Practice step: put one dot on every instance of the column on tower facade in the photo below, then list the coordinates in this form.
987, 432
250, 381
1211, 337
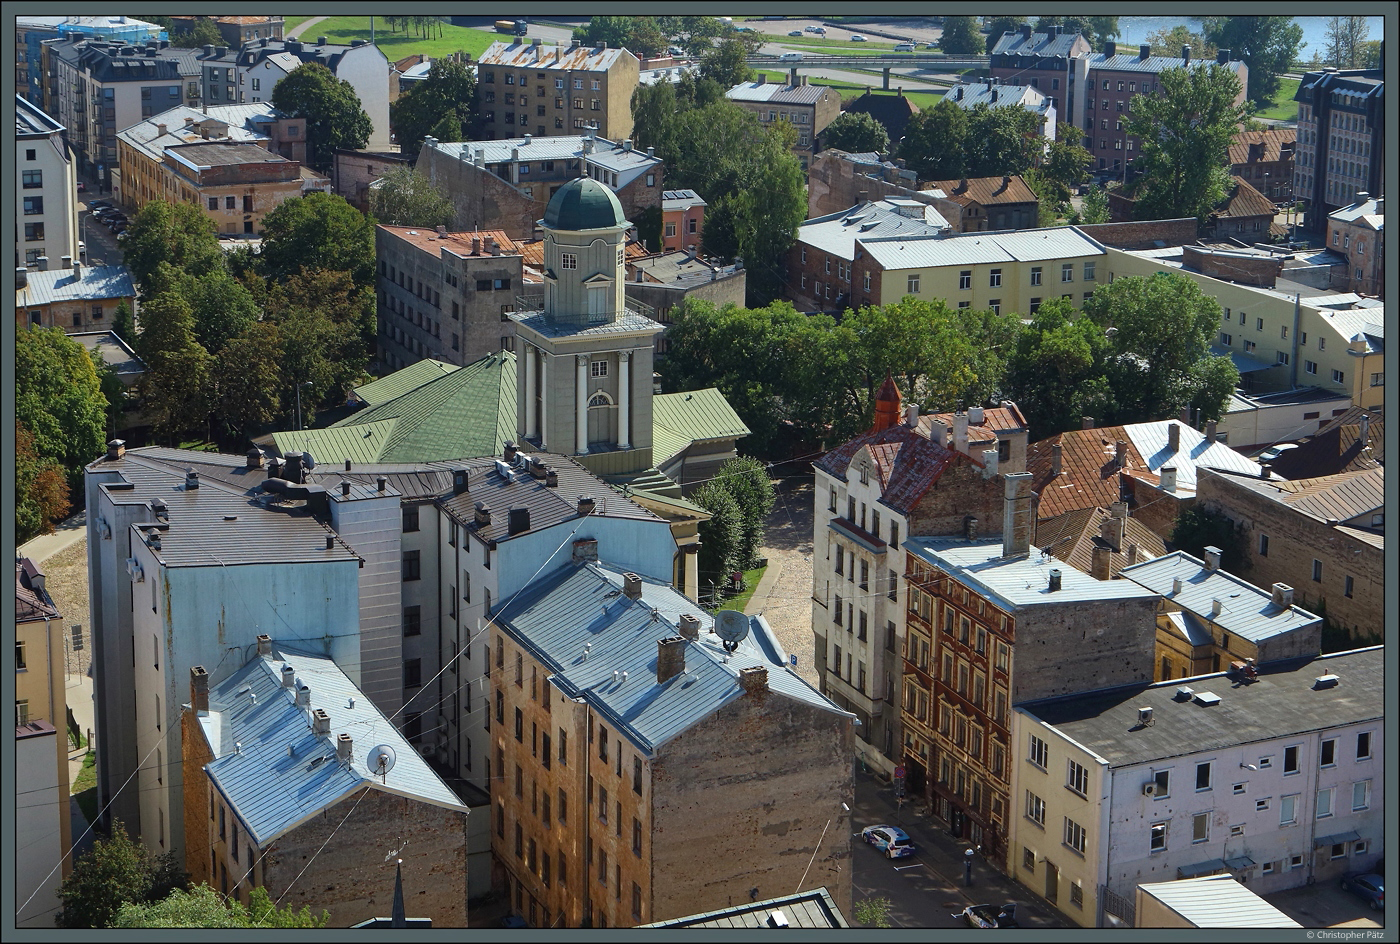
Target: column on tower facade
624, 399
581, 429
544, 398
527, 353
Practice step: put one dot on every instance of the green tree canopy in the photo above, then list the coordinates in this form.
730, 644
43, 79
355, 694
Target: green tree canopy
221, 306
1168, 42
203, 32
726, 61
722, 537
445, 101
333, 113
203, 907
1185, 135
747, 479
962, 36
857, 131
59, 399
1066, 161
318, 231
115, 872
1266, 44
694, 34
179, 234
1346, 41
176, 385
1056, 374
1095, 206
1197, 530
1159, 348
404, 197
41, 489
325, 328
933, 144
246, 380
1003, 140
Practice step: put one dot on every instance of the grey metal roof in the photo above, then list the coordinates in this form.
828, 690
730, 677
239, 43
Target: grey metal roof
680, 199
32, 121
247, 122
1060, 242
1282, 702
670, 74
582, 605
629, 322
217, 524
1218, 901
1018, 581
114, 352
1368, 323
62, 285
1152, 441
981, 94
1130, 62
1246, 611
837, 233
611, 155
1039, 44
253, 721
814, 909
775, 93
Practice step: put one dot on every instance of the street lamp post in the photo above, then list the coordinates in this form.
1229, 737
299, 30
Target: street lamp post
304, 383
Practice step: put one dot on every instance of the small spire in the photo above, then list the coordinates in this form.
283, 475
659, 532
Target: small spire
399, 919
886, 405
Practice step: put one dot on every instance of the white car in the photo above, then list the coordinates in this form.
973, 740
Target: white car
857, 38
1273, 452
790, 56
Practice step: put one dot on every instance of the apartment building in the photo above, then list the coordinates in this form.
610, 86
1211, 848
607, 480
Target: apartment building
1266, 160
149, 173
46, 185
618, 720
237, 30
76, 298
1358, 232
508, 184
809, 108
1341, 140
553, 91
30, 34
248, 73
1324, 537
97, 89
989, 203
281, 750
907, 475
991, 624
682, 219
1277, 783
1210, 621
443, 295
1055, 62
1282, 338
994, 94
822, 260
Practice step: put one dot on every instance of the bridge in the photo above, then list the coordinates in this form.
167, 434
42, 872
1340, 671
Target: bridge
929, 62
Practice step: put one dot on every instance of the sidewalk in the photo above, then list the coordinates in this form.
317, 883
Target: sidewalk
66, 534
876, 803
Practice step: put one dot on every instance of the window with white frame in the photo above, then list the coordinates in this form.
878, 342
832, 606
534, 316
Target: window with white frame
914, 284
1075, 836
1360, 795
1077, 778
1035, 809
1158, 837
1324, 802
1288, 810
1039, 752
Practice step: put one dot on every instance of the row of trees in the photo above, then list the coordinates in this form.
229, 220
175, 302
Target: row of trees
1139, 350
739, 498
647, 36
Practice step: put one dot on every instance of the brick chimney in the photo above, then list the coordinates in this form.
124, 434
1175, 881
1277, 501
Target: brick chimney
1111, 529
886, 405
1016, 515
1210, 431
754, 679
670, 658
632, 586
344, 745
960, 432
264, 644
585, 549
1056, 457
586, 505
116, 448
690, 627
1212, 558
1120, 453
255, 458
1102, 568
1168, 475
199, 689
1173, 436
989, 463
1086, 422
320, 722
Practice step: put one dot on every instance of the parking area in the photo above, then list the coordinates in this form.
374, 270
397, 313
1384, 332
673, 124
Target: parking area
1326, 905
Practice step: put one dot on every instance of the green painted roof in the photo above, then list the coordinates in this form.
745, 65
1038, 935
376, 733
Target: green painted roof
583, 203
679, 419
467, 412
402, 381
644, 495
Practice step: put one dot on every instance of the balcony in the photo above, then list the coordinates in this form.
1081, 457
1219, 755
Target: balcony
536, 303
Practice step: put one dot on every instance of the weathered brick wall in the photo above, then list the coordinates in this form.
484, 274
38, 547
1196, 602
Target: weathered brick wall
194, 754
1083, 646
352, 877
960, 491
740, 801
834, 184
1295, 541
1143, 234
1261, 271
354, 172
1156, 509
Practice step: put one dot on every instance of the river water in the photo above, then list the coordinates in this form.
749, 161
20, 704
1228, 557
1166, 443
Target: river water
1136, 29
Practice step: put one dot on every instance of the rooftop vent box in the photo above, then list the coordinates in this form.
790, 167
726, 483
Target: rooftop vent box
1207, 699
1326, 681
1184, 693
776, 919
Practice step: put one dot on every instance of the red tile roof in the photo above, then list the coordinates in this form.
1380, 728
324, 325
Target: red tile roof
988, 191
1072, 537
1089, 472
1273, 141
906, 463
1244, 200
425, 237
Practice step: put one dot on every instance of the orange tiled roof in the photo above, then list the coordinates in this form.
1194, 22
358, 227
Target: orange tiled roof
1273, 141
1073, 535
907, 463
425, 237
1245, 201
1089, 473
988, 191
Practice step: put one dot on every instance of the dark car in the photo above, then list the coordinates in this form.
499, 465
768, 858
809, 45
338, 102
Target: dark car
96, 205
514, 921
1367, 885
990, 916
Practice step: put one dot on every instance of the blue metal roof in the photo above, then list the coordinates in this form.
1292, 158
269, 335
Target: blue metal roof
580, 625
275, 772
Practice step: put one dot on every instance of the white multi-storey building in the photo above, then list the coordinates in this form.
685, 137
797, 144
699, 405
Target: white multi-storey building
47, 227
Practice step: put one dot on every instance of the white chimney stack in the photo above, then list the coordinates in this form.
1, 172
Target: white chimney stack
960, 432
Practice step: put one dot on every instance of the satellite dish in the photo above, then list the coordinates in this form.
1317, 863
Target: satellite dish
380, 760
308, 461
732, 627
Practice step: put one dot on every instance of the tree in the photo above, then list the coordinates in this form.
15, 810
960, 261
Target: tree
1160, 343
875, 912
59, 399
1185, 135
1266, 44
445, 102
857, 131
179, 234
221, 306
1095, 206
726, 61
1050, 205
404, 197
1065, 164
334, 116
1168, 42
124, 322
613, 30
247, 389
203, 32
933, 142
1369, 55
176, 385
1056, 373
1346, 39
1197, 529
1002, 140
997, 26
722, 537
1096, 29
41, 490
748, 480
203, 907
961, 36
325, 328
116, 871
695, 34
646, 39
317, 231
649, 223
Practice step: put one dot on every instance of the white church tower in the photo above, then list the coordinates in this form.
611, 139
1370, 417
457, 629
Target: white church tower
584, 368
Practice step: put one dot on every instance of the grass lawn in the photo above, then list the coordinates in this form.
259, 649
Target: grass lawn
1284, 107
848, 90
85, 787
741, 599
342, 29
290, 23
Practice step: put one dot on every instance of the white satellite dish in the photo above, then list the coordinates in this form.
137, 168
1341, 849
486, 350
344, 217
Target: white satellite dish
380, 760
732, 627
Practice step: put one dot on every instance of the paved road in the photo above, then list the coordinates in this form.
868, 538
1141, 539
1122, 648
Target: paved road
296, 31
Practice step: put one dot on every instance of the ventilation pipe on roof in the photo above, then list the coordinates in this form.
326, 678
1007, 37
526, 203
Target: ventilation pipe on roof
1054, 579
1365, 434
303, 698
289, 674
116, 448
1102, 566
382, 483
191, 480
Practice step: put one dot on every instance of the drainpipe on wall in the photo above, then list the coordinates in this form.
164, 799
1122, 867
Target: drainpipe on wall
1293, 361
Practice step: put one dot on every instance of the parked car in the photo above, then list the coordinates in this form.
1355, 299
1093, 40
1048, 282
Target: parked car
1366, 885
794, 32
891, 840
857, 38
819, 30
676, 51
1273, 452
790, 56
745, 29
119, 228
931, 46
989, 916
96, 205
904, 47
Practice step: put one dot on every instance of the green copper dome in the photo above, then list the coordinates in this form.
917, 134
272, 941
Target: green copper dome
584, 203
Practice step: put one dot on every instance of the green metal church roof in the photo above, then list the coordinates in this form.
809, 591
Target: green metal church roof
583, 203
